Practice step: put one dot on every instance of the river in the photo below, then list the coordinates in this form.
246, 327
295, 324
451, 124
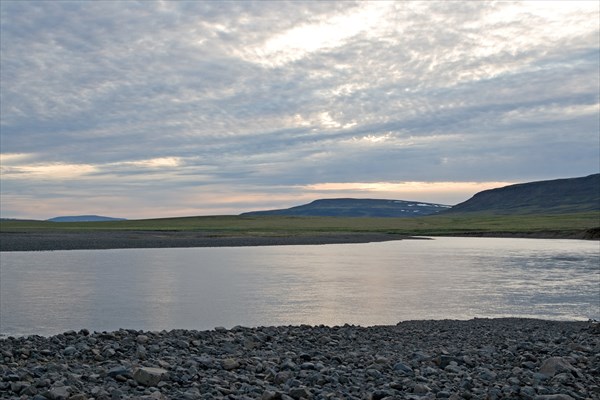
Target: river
364, 284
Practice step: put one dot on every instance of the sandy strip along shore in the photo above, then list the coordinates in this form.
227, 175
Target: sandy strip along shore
416, 360
35, 241
91, 240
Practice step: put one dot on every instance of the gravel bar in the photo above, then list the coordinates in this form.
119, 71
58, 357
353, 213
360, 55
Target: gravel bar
447, 359
78, 240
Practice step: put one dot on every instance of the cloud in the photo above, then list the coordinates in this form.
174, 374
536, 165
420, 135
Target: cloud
137, 98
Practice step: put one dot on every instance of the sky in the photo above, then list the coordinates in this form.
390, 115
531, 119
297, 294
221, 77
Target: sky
142, 109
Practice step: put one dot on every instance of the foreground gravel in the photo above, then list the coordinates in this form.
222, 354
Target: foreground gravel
476, 359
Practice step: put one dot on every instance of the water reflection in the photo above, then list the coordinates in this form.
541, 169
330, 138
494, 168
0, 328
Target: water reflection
366, 284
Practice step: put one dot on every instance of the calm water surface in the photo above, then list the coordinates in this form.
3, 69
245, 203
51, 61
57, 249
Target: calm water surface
366, 284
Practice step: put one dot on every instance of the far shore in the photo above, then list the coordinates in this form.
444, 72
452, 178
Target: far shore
97, 240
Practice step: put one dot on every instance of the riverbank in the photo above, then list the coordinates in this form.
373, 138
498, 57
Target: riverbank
232, 230
476, 359
96, 240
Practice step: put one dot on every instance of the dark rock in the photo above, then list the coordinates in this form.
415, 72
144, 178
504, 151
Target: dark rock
554, 397
403, 369
380, 394
120, 370
300, 393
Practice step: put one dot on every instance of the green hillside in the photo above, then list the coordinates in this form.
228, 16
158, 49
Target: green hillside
560, 196
555, 225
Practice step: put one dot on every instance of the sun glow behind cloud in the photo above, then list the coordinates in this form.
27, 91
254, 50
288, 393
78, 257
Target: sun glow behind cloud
160, 162
19, 166
302, 40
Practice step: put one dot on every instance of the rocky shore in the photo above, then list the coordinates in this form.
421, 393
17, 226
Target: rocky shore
476, 359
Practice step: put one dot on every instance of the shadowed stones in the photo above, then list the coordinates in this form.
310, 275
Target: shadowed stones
291, 363
554, 397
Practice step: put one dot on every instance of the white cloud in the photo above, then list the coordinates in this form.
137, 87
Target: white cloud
181, 95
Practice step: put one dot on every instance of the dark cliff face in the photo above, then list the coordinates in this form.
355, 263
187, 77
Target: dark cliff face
358, 208
543, 197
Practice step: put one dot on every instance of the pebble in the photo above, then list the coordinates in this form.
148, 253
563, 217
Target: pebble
505, 358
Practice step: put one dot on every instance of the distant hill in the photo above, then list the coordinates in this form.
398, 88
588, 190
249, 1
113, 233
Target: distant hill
358, 208
544, 197
84, 218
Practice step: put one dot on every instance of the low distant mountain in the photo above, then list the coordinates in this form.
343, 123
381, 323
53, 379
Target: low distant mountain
84, 218
559, 196
357, 208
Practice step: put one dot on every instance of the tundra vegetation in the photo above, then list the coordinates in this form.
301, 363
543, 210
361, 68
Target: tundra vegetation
550, 225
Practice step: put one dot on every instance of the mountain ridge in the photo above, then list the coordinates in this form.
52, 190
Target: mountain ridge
556, 196
357, 207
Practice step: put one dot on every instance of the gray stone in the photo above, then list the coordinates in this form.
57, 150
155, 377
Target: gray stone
420, 388
59, 393
307, 365
16, 387
191, 394
230, 363
120, 370
403, 369
149, 376
142, 339
282, 377
270, 395
554, 365
69, 351
380, 394
527, 392
487, 375
374, 373
453, 369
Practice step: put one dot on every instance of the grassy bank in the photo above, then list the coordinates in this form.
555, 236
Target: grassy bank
439, 225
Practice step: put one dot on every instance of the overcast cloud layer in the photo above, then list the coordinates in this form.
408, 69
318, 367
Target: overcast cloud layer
148, 109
